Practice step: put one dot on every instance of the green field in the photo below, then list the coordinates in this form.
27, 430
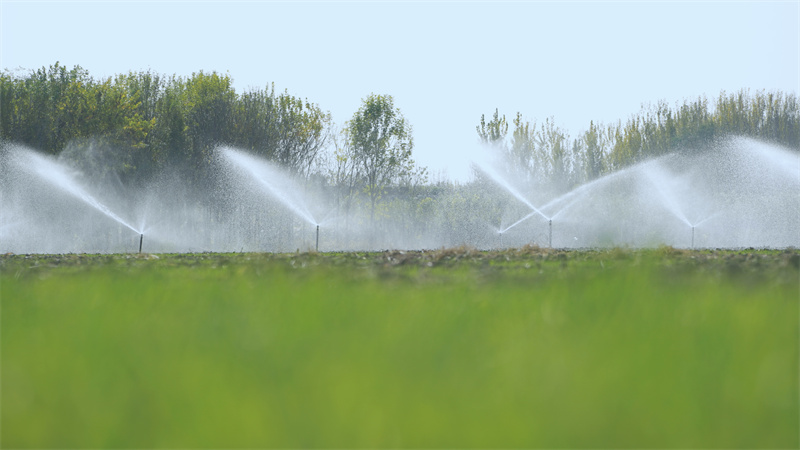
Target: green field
451, 348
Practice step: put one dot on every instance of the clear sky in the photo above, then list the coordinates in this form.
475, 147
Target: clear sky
445, 63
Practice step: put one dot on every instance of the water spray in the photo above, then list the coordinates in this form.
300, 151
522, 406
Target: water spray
141, 237
317, 246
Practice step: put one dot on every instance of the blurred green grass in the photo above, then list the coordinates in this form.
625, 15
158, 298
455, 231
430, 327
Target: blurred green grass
617, 349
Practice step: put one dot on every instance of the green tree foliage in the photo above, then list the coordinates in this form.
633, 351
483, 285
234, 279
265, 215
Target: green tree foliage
553, 144
594, 146
210, 102
545, 155
380, 144
37, 109
525, 162
494, 132
136, 124
282, 128
171, 138
302, 131
132, 127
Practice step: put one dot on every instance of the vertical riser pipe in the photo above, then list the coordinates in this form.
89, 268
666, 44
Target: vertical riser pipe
141, 238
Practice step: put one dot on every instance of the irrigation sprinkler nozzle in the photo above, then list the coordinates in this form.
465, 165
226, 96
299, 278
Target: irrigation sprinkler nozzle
692, 238
317, 246
550, 225
141, 237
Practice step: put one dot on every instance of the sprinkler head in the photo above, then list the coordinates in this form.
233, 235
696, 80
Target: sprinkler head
141, 237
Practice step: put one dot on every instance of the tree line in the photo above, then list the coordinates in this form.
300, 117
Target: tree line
545, 153
139, 123
133, 127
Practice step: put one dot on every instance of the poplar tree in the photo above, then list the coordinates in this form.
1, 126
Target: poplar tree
380, 143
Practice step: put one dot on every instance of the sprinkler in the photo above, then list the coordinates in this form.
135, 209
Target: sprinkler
141, 237
317, 247
550, 224
692, 238
501, 239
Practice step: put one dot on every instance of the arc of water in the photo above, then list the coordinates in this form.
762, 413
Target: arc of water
576, 194
779, 158
658, 182
504, 184
57, 176
706, 219
566, 207
573, 195
262, 173
329, 217
298, 209
531, 214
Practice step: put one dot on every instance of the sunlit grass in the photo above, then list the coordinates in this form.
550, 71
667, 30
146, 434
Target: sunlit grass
625, 349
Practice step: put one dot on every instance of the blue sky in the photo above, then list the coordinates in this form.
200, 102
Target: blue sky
445, 63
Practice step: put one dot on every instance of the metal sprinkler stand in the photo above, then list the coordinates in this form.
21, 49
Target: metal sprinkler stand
550, 225
317, 246
141, 237
692, 238
501, 240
